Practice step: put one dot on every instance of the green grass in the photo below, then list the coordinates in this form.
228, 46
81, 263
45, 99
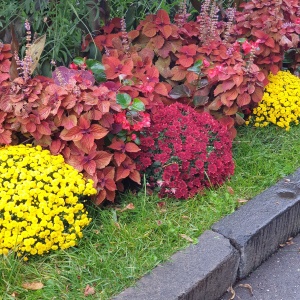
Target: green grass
121, 246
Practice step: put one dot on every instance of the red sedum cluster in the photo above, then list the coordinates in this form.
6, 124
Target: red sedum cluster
184, 151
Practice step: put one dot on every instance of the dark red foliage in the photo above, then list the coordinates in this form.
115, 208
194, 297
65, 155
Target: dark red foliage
184, 151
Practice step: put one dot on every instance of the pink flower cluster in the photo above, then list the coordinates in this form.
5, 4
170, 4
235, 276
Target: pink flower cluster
184, 151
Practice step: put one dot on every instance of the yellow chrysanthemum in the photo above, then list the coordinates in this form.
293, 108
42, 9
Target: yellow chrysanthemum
281, 102
36, 214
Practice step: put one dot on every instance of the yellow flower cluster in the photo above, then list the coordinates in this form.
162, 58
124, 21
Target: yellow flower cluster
281, 102
40, 201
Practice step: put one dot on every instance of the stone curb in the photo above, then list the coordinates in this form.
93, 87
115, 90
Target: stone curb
234, 247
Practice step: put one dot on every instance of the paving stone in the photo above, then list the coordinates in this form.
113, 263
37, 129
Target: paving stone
257, 228
200, 272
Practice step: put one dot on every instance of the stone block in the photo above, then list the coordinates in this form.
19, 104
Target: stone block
257, 228
200, 272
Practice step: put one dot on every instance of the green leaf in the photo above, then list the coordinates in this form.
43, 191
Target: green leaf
241, 40
196, 67
78, 61
138, 105
124, 100
137, 141
97, 68
94, 52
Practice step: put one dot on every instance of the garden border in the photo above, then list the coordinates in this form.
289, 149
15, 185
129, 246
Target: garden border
231, 250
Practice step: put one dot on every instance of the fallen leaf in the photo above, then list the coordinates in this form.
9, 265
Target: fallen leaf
14, 294
185, 217
231, 290
161, 204
186, 237
247, 286
230, 190
242, 200
287, 180
117, 225
287, 243
129, 206
158, 222
89, 290
34, 286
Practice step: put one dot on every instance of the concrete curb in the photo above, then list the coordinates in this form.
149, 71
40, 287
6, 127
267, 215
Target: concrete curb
234, 247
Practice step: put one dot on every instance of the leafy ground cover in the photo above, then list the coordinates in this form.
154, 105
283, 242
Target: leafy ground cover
125, 241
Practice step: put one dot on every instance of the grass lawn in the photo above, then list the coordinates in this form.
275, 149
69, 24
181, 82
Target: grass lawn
120, 245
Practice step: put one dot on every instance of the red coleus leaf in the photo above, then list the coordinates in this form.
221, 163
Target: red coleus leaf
218, 90
215, 104
229, 111
274, 69
157, 41
83, 129
69, 121
86, 142
228, 97
260, 76
133, 34
119, 158
102, 159
117, 145
110, 185
178, 73
135, 176
90, 167
74, 134
98, 131
237, 79
166, 30
101, 196
122, 173
169, 46
131, 147
150, 29
3, 76
114, 67
185, 61
56, 146
258, 94
44, 111
228, 85
162, 88
243, 99
5, 66
264, 38
5, 137
44, 128
162, 18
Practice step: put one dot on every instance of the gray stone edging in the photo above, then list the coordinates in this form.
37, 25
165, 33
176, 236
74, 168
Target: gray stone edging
236, 245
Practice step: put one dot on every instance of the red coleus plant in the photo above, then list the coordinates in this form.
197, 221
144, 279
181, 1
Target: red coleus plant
76, 118
184, 151
274, 24
239, 56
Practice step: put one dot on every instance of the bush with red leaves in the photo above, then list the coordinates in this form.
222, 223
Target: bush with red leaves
184, 151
